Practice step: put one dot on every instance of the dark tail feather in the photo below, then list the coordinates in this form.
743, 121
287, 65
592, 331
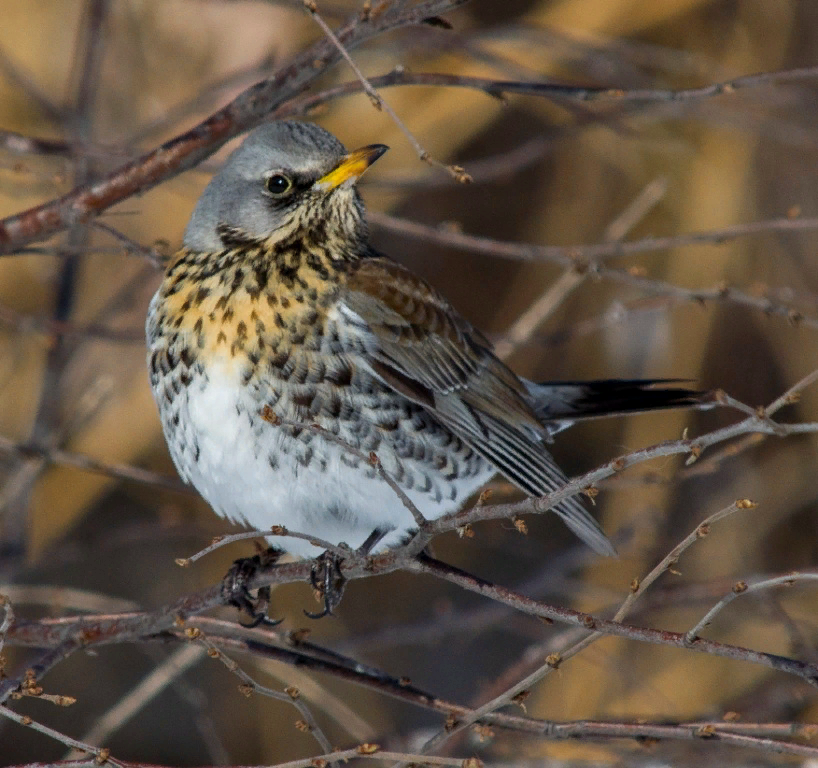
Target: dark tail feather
563, 402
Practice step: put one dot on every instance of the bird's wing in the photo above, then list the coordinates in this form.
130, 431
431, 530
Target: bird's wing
419, 345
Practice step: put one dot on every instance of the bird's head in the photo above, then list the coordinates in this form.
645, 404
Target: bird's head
287, 178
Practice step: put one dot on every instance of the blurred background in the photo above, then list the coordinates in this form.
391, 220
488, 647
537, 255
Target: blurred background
109, 79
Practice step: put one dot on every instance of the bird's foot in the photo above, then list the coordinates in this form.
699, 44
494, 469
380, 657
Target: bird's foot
328, 582
326, 577
235, 591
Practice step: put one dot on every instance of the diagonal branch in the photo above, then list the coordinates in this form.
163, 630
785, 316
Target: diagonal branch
186, 151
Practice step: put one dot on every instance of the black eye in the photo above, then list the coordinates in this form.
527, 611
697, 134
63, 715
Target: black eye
278, 185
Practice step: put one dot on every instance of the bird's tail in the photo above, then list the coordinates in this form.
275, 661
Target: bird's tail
558, 404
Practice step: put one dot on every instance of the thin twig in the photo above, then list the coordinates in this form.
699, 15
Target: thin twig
571, 256
8, 619
378, 101
102, 755
527, 323
553, 661
743, 588
275, 530
186, 151
151, 686
249, 685
90, 464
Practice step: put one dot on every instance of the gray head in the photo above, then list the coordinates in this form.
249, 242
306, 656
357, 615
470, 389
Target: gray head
283, 176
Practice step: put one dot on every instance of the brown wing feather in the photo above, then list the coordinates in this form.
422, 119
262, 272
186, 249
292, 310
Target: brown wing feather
423, 337
426, 351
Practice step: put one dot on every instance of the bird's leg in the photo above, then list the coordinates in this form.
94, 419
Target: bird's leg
328, 581
235, 591
326, 577
372, 541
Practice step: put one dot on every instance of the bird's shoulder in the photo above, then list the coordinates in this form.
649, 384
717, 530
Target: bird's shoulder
418, 335
400, 305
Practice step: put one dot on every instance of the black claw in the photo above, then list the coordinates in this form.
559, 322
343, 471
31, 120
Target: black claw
235, 591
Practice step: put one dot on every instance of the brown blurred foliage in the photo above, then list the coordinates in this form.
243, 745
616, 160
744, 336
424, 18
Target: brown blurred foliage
163, 64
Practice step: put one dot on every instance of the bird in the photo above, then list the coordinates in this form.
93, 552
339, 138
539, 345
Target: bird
284, 350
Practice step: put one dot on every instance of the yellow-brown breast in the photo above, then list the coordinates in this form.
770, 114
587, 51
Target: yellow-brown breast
247, 306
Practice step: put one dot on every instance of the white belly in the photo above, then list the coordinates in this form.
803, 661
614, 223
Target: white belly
256, 474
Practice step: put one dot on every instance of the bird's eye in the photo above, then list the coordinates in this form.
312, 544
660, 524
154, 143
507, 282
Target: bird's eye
278, 185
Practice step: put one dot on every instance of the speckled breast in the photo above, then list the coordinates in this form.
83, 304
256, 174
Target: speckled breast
224, 344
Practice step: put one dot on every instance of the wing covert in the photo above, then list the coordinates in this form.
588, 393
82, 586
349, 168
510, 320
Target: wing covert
425, 350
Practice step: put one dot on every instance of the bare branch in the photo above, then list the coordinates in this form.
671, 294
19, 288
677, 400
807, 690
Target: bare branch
247, 110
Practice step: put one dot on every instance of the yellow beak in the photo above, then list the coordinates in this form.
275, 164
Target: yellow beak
351, 167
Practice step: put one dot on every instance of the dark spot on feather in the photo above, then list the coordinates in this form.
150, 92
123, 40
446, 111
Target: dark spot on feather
390, 425
332, 407
341, 376
304, 399
288, 273
261, 276
318, 233
314, 262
